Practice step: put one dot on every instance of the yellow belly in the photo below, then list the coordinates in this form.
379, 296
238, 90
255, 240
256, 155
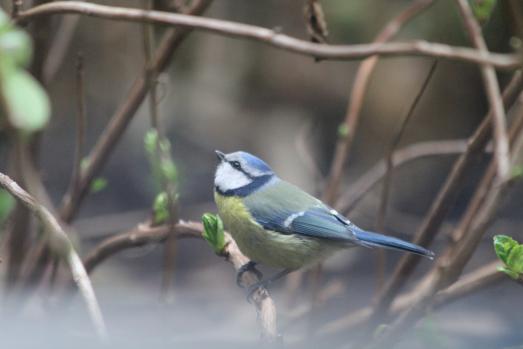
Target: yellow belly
289, 251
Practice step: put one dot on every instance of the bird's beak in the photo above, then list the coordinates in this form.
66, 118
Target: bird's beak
220, 155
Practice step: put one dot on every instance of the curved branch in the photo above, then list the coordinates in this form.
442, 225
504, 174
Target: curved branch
474, 281
61, 244
357, 96
144, 234
350, 198
274, 38
490, 81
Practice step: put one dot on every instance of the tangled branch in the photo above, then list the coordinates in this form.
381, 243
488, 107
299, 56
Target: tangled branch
274, 38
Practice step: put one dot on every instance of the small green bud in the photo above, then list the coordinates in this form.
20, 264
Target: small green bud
213, 232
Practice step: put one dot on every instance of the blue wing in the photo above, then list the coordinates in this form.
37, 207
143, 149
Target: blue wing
288, 210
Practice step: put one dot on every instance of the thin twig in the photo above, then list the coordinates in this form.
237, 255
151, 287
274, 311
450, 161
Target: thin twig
74, 185
385, 192
59, 46
490, 80
61, 244
357, 95
274, 38
16, 7
441, 205
452, 262
146, 234
471, 282
366, 182
98, 156
393, 146
161, 156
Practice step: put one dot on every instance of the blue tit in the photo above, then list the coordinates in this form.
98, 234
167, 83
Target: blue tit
277, 224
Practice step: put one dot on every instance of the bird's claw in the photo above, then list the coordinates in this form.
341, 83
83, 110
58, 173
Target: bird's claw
251, 290
249, 266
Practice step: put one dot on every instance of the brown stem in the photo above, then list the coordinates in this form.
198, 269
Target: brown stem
61, 245
490, 81
441, 205
454, 259
123, 115
357, 95
274, 38
145, 234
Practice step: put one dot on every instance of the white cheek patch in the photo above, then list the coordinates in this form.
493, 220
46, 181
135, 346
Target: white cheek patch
228, 178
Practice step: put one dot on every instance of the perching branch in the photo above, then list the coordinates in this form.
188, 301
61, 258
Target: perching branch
61, 244
145, 234
274, 38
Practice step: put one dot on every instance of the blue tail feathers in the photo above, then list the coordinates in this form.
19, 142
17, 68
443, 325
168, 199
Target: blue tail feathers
369, 239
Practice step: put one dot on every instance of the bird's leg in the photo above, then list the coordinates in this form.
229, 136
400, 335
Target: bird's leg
249, 266
265, 283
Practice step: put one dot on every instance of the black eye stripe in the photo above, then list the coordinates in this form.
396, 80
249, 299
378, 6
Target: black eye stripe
236, 164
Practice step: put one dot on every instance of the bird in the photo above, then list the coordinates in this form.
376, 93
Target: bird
277, 224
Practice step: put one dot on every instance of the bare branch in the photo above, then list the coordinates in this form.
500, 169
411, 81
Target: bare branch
490, 81
441, 205
473, 281
351, 197
145, 234
273, 38
452, 262
357, 95
123, 115
61, 244
142, 235
74, 185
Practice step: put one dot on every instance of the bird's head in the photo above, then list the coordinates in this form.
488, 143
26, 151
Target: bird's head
240, 173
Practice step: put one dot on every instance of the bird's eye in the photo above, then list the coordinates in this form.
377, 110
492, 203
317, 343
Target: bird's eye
236, 164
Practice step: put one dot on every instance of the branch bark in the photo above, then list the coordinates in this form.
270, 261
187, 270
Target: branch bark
441, 205
274, 38
145, 234
490, 80
452, 262
61, 245
123, 115
473, 281
357, 96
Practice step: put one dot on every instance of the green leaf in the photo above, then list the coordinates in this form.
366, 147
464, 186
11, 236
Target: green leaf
503, 244
161, 208
343, 130
483, 9
7, 203
515, 259
517, 172
213, 232
16, 45
150, 141
509, 272
98, 185
26, 102
159, 153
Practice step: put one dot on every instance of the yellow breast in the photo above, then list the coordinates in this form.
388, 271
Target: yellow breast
267, 247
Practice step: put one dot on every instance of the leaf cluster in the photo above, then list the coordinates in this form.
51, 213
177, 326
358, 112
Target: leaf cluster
510, 252
213, 232
25, 104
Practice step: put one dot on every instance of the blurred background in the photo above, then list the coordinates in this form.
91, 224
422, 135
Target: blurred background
229, 94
